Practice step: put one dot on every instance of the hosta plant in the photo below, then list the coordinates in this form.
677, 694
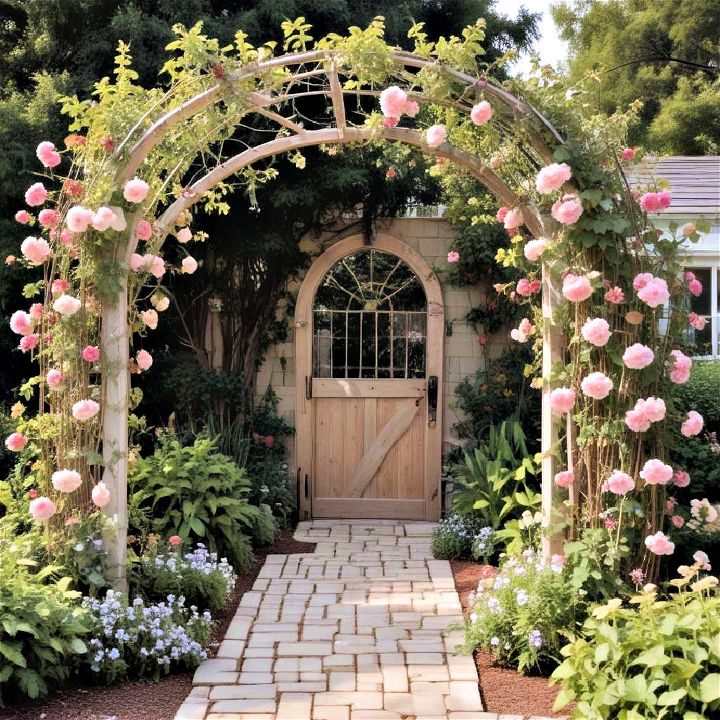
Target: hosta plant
656, 658
42, 630
199, 494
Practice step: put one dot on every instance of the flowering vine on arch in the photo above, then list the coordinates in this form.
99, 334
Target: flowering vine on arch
139, 159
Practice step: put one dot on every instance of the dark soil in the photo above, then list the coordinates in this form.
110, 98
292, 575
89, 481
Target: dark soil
504, 690
144, 701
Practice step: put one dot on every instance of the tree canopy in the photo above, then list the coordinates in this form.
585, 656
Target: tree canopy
664, 52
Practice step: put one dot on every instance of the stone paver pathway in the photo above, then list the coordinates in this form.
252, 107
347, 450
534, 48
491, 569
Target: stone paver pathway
357, 630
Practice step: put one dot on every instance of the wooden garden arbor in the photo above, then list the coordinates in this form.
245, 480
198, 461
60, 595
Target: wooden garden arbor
314, 73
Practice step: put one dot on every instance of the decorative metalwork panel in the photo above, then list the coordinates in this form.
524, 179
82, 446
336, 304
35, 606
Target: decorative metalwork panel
370, 318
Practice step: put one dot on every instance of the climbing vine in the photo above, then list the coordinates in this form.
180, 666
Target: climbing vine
137, 160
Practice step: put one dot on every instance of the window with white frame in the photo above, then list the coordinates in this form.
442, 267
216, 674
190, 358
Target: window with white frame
706, 305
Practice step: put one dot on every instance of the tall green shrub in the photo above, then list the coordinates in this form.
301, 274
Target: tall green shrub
199, 494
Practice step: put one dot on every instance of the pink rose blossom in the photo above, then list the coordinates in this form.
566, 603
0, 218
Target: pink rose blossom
84, 410
577, 288
525, 329
481, 112
175, 540
619, 483
29, 342
681, 479
135, 190
157, 266
682, 364
388, 122
654, 292
501, 214
656, 472
54, 379
641, 280
66, 237
664, 199
184, 235
453, 256
688, 229
653, 408
21, 322
565, 478
47, 154
637, 356
144, 360
637, 421
78, 218
143, 230
150, 318
66, 481
527, 287
677, 520
596, 385
513, 219
568, 210
393, 101
160, 303
15, 442
67, 305
91, 353
35, 250
36, 311
137, 263
655, 201
411, 108
562, 400
659, 544
102, 219
628, 154
436, 135
534, 249
696, 321
36, 194
23, 217
614, 295
189, 264
59, 286
596, 331
693, 425
100, 495
42, 508
695, 287
552, 177
48, 218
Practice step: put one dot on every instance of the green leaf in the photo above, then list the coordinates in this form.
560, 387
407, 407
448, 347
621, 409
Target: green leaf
197, 526
672, 697
654, 657
709, 688
12, 654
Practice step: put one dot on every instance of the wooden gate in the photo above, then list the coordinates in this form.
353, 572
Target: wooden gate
369, 348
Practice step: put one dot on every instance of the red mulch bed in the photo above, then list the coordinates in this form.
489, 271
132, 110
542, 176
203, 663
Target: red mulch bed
504, 690
144, 701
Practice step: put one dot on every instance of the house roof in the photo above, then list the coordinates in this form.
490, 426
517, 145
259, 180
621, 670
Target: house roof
694, 183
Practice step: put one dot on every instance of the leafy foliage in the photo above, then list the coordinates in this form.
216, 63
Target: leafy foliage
519, 613
204, 581
42, 629
660, 51
701, 392
657, 658
199, 494
495, 483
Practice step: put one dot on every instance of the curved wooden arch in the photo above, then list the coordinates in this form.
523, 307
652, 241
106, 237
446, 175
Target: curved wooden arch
115, 333
304, 411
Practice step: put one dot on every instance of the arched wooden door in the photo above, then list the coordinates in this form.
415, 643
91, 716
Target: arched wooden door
369, 357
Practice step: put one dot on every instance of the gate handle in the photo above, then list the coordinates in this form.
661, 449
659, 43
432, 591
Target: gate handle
432, 395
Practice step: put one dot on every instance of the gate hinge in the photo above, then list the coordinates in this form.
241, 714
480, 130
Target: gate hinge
308, 387
307, 486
